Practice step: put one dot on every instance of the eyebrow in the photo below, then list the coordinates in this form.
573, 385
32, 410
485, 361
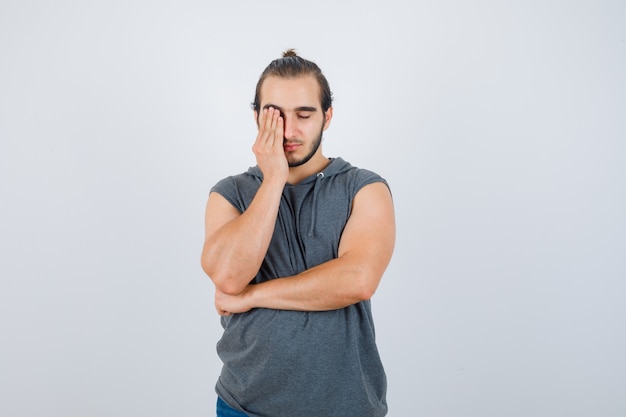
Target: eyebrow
301, 108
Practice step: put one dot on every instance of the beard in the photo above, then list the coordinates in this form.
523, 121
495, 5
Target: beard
314, 147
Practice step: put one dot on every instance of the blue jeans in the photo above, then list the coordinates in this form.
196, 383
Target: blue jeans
225, 410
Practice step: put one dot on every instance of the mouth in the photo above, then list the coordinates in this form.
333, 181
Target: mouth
288, 147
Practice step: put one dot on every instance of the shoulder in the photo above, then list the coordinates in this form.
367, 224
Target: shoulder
242, 180
362, 174
238, 189
358, 178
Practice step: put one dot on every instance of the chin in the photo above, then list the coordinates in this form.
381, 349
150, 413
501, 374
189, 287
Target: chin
296, 162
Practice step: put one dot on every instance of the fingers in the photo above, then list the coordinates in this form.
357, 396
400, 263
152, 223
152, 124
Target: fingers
268, 147
279, 135
270, 127
218, 307
270, 122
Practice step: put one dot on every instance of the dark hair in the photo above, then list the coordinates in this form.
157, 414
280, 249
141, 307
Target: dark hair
291, 65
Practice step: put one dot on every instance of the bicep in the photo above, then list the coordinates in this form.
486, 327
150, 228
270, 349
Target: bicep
369, 235
219, 212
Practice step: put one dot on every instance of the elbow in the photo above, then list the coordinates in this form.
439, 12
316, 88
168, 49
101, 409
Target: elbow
366, 293
367, 283
228, 277
228, 286
207, 267
223, 281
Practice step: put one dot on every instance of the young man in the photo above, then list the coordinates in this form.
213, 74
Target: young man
296, 247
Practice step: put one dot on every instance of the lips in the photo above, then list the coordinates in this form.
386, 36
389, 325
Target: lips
288, 147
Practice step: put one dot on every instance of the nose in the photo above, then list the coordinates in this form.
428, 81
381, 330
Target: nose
290, 128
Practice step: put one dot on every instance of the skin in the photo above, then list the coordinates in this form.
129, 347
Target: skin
289, 130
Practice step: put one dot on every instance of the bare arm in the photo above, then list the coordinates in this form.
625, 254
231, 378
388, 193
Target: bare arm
364, 252
236, 243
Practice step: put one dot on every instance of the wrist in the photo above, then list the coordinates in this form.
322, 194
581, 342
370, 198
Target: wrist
249, 296
275, 180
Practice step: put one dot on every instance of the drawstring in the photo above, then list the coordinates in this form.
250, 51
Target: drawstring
318, 178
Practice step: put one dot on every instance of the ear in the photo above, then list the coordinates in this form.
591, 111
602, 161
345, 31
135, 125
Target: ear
256, 117
327, 117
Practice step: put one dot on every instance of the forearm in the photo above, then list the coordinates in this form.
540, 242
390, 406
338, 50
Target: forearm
335, 284
233, 254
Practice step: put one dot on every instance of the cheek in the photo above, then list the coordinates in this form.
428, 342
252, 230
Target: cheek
315, 125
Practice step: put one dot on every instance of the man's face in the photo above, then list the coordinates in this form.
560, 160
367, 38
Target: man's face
298, 100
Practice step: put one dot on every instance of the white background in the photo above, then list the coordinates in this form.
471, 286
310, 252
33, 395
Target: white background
499, 125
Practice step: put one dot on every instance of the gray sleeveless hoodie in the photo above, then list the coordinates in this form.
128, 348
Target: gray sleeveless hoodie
280, 363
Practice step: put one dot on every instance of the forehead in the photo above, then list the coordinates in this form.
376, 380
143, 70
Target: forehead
290, 93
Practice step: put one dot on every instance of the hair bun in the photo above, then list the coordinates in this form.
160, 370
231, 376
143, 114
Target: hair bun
289, 52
